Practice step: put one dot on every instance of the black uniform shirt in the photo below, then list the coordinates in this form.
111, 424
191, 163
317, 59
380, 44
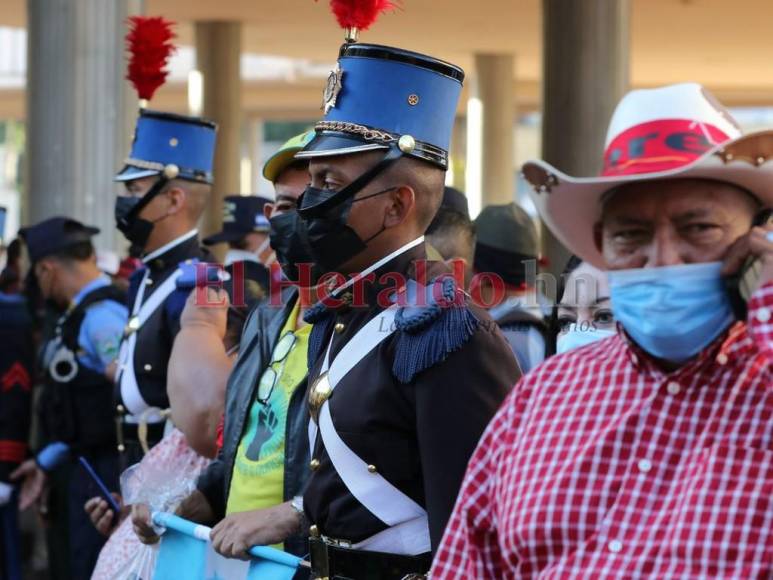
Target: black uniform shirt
156, 336
419, 435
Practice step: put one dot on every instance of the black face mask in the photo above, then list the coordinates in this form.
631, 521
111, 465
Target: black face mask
128, 220
134, 228
289, 240
332, 241
326, 212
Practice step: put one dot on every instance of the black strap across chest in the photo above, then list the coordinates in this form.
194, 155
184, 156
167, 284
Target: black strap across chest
70, 323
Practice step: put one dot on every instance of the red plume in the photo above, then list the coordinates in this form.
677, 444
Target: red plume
149, 42
359, 14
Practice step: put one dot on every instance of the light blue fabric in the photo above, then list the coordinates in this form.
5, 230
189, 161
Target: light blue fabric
183, 554
102, 328
576, 337
672, 312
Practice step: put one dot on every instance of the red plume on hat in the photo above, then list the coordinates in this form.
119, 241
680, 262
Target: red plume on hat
356, 15
149, 42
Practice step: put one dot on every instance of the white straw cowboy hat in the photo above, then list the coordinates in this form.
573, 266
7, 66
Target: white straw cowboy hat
677, 131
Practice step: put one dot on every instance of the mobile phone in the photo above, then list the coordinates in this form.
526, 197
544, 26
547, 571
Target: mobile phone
740, 286
103, 491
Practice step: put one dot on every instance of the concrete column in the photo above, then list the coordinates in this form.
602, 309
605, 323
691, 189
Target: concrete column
76, 135
218, 48
254, 130
585, 73
458, 153
493, 85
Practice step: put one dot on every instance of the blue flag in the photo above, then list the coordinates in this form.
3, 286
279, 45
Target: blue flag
185, 552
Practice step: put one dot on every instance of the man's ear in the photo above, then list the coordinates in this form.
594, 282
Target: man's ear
177, 200
402, 203
268, 209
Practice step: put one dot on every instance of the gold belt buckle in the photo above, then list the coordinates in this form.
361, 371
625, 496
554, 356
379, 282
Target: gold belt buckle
319, 393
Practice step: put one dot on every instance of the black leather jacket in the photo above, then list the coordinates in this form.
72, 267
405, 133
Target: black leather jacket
261, 331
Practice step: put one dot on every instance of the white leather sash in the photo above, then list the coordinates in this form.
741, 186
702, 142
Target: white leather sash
127, 379
408, 531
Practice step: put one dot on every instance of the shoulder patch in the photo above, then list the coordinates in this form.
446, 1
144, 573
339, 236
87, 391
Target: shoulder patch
434, 321
188, 270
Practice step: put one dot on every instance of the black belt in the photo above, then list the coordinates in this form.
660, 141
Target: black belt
332, 562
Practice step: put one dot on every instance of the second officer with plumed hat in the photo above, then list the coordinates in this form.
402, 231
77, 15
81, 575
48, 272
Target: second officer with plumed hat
405, 374
168, 180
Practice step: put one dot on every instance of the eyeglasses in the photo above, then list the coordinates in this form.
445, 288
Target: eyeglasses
270, 375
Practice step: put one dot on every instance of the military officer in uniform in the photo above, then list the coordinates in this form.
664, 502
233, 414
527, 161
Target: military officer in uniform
404, 372
77, 398
245, 229
168, 179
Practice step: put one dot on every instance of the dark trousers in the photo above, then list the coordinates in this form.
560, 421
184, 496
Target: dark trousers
10, 553
56, 523
85, 541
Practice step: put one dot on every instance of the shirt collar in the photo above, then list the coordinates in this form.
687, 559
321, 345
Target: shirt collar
731, 343
98, 282
234, 255
166, 247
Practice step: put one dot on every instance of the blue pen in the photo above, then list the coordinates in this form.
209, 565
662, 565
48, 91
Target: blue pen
101, 484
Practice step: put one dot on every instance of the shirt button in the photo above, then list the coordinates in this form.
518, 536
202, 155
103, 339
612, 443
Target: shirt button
673, 388
615, 546
148, 282
148, 368
644, 465
722, 358
763, 314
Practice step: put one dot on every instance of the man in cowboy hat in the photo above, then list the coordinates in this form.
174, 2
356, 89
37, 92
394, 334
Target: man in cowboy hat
646, 454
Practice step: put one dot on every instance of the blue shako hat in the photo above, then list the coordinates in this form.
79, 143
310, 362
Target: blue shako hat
164, 141
380, 97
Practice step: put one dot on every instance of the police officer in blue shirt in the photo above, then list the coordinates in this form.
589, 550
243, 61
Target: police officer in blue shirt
168, 181
78, 365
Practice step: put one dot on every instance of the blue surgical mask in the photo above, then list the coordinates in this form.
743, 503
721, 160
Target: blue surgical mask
672, 312
576, 337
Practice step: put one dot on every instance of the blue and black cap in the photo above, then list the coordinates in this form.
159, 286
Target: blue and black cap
380, 97
242, 214
179, 146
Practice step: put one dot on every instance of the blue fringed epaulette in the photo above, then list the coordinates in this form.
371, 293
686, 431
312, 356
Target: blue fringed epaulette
186, 282
435, 322
321, 320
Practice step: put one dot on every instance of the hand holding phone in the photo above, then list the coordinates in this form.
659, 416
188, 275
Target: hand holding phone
103, 491
741, 285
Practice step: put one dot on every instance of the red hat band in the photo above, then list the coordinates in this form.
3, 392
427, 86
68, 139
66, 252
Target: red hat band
661, 145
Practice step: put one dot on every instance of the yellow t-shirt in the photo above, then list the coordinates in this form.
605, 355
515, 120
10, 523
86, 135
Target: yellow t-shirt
258, 475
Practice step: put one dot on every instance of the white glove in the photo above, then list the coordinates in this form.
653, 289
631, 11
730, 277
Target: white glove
5, 493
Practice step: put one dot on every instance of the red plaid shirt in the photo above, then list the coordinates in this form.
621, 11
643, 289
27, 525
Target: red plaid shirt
599, 465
